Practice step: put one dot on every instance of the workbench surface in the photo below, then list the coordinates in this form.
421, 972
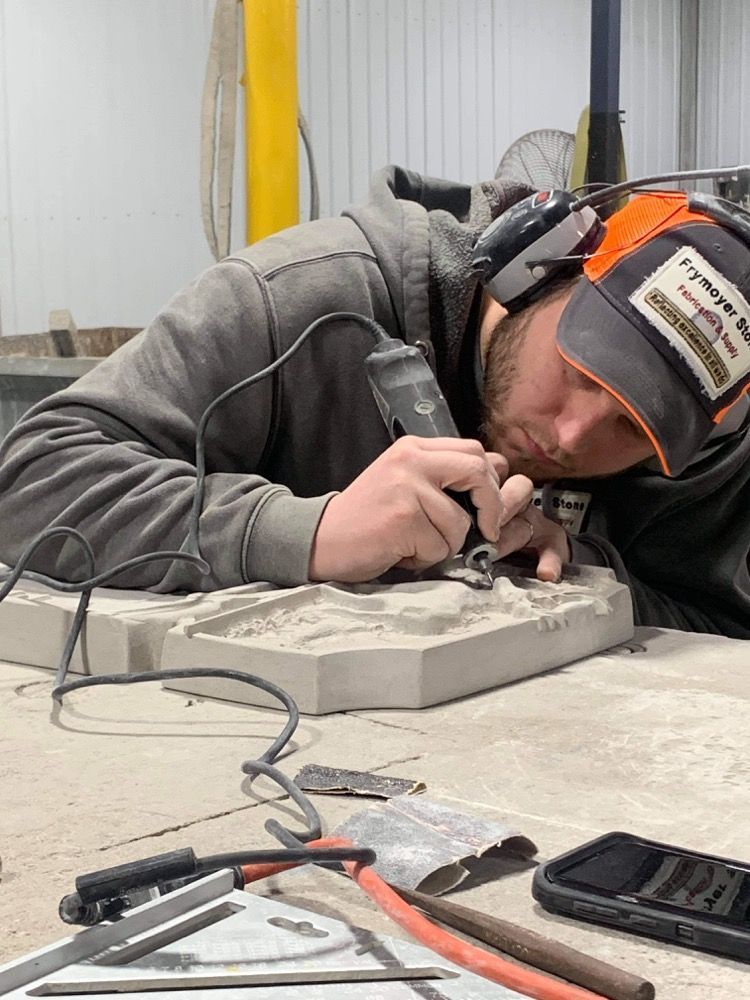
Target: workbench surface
650, 739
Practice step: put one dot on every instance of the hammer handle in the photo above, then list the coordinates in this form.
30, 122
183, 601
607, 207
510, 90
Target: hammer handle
535, 949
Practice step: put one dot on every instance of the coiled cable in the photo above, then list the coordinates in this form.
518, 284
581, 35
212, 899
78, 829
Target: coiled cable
190, 553
191, 549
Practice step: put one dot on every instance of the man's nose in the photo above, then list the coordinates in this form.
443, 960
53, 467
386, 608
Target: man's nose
584, 419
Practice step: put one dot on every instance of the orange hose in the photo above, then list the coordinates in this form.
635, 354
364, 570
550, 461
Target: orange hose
468, 956
252, 873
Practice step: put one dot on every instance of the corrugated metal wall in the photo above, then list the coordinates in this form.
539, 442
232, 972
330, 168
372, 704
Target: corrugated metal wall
442, 86
100, 104
99, 121
445, 86
650, 84
724, 82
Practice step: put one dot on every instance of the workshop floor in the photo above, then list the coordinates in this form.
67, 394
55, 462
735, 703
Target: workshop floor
652, 741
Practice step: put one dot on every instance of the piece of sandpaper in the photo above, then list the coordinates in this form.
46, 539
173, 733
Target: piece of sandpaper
421, 842
336, 781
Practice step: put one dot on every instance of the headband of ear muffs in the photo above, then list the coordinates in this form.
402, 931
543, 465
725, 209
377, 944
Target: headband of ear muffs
548, 235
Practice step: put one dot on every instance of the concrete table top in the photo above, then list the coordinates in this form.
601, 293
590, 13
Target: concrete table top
651, 738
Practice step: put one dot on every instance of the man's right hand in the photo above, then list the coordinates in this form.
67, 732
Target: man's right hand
396, 512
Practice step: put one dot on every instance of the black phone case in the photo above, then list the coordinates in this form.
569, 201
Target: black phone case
650, 920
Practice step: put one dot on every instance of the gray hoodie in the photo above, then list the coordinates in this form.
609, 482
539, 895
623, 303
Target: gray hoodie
113, 455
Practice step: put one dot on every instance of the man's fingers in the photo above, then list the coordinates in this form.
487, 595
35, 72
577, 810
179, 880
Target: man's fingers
550, 564
468, 446
430, 548
516, 493
467, 473
518, 533
500, 464
396, 512
439, 530
451, 448
530, 529
449, 519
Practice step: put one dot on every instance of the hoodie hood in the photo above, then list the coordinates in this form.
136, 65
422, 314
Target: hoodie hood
423, 231
394, 220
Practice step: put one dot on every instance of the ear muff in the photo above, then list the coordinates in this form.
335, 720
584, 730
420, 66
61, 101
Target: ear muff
526, 247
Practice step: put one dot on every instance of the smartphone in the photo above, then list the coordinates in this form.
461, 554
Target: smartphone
659, 890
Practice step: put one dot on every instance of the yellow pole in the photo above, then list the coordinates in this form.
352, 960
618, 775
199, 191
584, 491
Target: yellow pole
271, 116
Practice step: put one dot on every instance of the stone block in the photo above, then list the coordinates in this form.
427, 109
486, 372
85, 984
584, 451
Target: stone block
336, 648
123, 631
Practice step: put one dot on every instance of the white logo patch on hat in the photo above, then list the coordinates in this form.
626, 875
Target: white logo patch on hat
703, 316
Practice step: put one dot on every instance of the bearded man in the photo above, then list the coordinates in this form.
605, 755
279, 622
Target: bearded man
582, 437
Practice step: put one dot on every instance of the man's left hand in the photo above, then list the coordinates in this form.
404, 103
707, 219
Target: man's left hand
531, 530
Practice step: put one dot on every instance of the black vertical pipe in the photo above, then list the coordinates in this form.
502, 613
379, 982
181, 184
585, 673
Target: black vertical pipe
604, 101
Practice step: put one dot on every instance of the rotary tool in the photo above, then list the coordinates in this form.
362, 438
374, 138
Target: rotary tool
410, 402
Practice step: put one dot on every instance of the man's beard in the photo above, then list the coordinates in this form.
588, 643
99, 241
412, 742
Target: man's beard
500, 372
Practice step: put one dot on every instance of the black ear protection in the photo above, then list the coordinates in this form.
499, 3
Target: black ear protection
549, 235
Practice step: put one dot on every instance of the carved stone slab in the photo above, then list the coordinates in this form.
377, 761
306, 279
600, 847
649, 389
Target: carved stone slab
336, 648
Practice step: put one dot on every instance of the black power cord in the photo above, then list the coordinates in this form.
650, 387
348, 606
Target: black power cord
265, 763
371, 325
102, 894
84, 587
191, 549
74, 909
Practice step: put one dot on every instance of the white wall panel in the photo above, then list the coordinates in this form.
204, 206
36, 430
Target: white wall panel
444, 86
650, 84
100, 103
723, 83
441, 86
7, 254
100, 117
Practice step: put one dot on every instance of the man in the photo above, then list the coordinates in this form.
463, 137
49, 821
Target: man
302, 482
